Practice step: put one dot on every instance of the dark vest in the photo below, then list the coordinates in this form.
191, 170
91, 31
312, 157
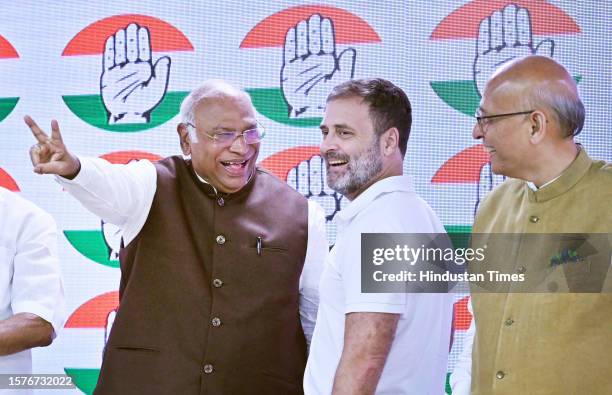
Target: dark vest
202, 309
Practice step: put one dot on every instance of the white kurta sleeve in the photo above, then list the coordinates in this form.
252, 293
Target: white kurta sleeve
37, 286
119, 194
313, 267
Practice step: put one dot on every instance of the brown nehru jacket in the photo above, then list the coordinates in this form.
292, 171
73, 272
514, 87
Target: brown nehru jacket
201, 310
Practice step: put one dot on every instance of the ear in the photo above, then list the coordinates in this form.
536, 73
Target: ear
538, 122
389, 141
184, 139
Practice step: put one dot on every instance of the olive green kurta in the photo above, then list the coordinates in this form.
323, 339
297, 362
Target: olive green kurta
546, 343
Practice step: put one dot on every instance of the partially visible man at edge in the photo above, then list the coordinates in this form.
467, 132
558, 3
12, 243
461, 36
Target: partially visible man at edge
528, 117
213, 271
366, 343
32, 303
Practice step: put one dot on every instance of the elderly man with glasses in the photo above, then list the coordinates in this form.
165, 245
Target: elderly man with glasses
219, 259
558, 342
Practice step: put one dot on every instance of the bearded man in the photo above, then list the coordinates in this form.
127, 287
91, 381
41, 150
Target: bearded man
365, 343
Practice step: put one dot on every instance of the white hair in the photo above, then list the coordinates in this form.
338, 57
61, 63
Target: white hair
567, 107
213, 88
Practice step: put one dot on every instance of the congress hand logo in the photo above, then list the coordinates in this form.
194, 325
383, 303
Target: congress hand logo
317, 49
502, 36
501, 31
311, 66
134, 91
132, 86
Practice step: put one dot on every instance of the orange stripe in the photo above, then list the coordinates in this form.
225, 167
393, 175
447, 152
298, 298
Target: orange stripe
91, 40
348, 28
7, 181
94, 312
7, 51
464, 21
463, 167
462, 316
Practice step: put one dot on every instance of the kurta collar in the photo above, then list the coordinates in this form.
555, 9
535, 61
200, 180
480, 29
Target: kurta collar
565, 181
388, 184
212, 192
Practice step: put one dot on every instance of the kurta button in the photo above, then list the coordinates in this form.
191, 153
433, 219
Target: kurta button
216, 322
521, 270
500, 375
534, 219
217, 283
208, 368
221, 202
509, 322
220, 239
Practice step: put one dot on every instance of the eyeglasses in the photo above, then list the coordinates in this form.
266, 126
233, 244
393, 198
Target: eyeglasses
225, 139
482, 120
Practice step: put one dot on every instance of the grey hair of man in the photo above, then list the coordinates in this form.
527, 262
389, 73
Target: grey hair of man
568, 109
210, 89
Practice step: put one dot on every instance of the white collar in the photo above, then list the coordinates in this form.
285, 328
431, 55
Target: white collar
387, 184
534, 188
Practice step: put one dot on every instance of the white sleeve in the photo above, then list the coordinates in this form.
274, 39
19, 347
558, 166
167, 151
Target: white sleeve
37, 283
461, 377
119, 194
316, 253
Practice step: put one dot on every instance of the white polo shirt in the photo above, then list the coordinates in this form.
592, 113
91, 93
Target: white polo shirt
30, 280
418, 358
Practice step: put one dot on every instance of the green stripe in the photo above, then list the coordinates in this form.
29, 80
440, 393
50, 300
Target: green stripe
6, 106
91, 244
459, 235
84, 379
463, 95
90, 109
270, 103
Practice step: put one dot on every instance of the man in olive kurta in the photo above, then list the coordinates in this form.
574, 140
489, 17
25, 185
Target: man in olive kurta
541, 343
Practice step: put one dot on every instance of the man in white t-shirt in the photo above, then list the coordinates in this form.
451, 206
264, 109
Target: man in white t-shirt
31, 292
365, 343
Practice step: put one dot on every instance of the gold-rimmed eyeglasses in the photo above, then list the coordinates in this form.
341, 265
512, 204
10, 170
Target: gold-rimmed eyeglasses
483, 119
227, 138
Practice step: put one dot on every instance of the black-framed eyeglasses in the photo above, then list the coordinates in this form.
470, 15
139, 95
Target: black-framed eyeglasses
482, 119
227, 138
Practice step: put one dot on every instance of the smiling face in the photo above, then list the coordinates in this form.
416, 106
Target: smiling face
350, 148
227, 168
506, 138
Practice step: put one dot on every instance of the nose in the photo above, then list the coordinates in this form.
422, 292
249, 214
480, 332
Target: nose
327, 144
239, 145
477, 132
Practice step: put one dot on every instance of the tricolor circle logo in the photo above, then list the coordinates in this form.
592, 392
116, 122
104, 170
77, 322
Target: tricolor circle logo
135, 81
102, 245
92, 320
501, 31
316, 51
7, 52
